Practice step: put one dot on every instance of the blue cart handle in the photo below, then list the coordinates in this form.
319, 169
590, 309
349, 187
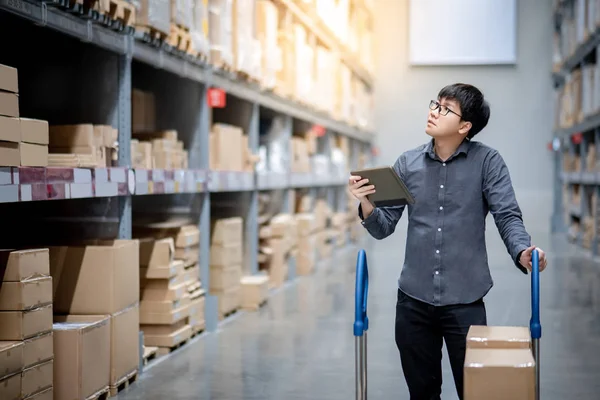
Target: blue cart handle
534, 324
361, 321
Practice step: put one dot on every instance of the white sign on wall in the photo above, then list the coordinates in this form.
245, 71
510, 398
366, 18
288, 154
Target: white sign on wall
462, 32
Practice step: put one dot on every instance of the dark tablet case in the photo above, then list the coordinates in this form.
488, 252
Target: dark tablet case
390, 190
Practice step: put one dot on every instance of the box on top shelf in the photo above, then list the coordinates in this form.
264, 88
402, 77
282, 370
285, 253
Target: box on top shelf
82, 356
180, 13
154, 14
266, 32
199, 27
100, 278
220, 32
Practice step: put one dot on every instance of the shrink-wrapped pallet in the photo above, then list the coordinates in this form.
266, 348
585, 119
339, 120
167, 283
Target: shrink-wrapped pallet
266, 33
155, 14
220, 32
181, 14
199, 26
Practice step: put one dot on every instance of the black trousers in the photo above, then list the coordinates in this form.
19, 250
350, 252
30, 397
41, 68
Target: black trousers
421, 330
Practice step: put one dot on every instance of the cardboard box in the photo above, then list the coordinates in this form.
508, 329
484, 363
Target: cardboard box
487, 372
9, 79
34, 131
33, 155
10, 156
498, 337
97, 279
168, 293
156, 253
11, 358
38, 349
224, 277
19, 296
68, 136
21, 325
167, 273
81, 356
169, 339
37, 378
21, 265
226, 254
162, 307
197, 317
255, 291
168, 318
47, 394
9, 104
10, 130
226, 151
10, 387
227, 230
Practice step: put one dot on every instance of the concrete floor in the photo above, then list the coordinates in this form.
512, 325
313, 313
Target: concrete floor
300, 346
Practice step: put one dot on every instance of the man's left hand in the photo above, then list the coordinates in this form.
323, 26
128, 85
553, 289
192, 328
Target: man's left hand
525, 259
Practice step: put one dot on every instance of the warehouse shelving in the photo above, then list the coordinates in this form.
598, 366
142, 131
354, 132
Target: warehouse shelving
79, 72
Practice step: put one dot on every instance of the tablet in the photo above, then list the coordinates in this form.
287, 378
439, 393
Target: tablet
390, 190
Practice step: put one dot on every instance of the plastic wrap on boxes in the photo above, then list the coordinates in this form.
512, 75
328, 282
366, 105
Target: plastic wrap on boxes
154, 13
220, 31
243, 34
199, 26
181, 12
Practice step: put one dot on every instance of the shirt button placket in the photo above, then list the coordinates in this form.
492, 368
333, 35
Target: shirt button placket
438, 237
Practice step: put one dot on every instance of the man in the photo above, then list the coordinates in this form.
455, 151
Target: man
456, 182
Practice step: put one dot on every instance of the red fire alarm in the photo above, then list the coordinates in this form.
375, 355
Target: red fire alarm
577, 138
217, 98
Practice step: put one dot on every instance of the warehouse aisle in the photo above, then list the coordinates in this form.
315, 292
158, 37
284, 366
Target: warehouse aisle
301, 346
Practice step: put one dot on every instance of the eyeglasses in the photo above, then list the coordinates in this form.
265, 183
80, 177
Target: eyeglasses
434, 105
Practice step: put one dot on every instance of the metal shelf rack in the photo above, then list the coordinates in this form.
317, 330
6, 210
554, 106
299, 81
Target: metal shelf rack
105, 199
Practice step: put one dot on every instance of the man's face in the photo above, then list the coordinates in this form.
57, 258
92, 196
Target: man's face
443, 119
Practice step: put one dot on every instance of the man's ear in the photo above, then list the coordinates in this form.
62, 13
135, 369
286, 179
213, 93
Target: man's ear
465, 127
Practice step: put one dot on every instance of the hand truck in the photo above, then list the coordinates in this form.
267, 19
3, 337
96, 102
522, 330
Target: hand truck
361, 322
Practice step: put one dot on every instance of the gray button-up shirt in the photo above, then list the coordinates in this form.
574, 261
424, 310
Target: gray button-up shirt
446, 259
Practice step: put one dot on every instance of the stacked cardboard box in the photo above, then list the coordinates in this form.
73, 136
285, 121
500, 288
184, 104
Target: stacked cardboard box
199, 28
82, 361
229, 149
182, 242
306, 255
254, 291
165, 299
591, 159
339, 229
226, 256
279, 238
23, 142
98, 280
267, 19
82, 145
300, 155
153, 15
496, 355
246, 48
326, 66
143, 111
160, 150
26, 343
220, 32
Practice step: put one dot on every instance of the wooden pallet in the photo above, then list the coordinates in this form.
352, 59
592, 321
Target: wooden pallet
180, 39
123, 383
151, 35
149, 354
247, 77
163, 351
254, 307
228, 314
120, 12
100, 394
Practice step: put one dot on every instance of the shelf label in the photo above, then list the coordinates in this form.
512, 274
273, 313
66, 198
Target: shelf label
318, 130
216, 98
577, 138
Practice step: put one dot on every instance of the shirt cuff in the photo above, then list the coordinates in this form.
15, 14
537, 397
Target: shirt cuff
371, 218
520, 250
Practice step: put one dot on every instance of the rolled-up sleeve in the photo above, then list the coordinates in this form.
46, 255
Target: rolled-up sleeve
382, 222
503, 205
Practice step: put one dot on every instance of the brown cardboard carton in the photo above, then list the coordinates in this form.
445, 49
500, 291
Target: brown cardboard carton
34, 131
255, 290
33, 155
487, 372
171, 293
21, 265
67, 136
19, 296
162, 307
189, 254
156, 253
498, 337
167, 272
38, 349
47, 394
10, 387
21, 325
10, 156
10, 130
9, 104
11, 358
222, 278
226, 254
168, 318
82, 356
168, 339
37, 378
197, 319
97, 279
227, 230
9, 79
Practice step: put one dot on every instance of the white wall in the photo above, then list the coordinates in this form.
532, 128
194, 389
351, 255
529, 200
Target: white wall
520, 97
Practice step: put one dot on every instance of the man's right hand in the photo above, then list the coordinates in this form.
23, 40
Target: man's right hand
360, 190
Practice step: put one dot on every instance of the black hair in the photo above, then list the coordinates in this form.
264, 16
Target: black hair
474, 108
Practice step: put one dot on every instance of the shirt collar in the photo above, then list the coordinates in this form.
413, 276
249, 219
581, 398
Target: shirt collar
462, 149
